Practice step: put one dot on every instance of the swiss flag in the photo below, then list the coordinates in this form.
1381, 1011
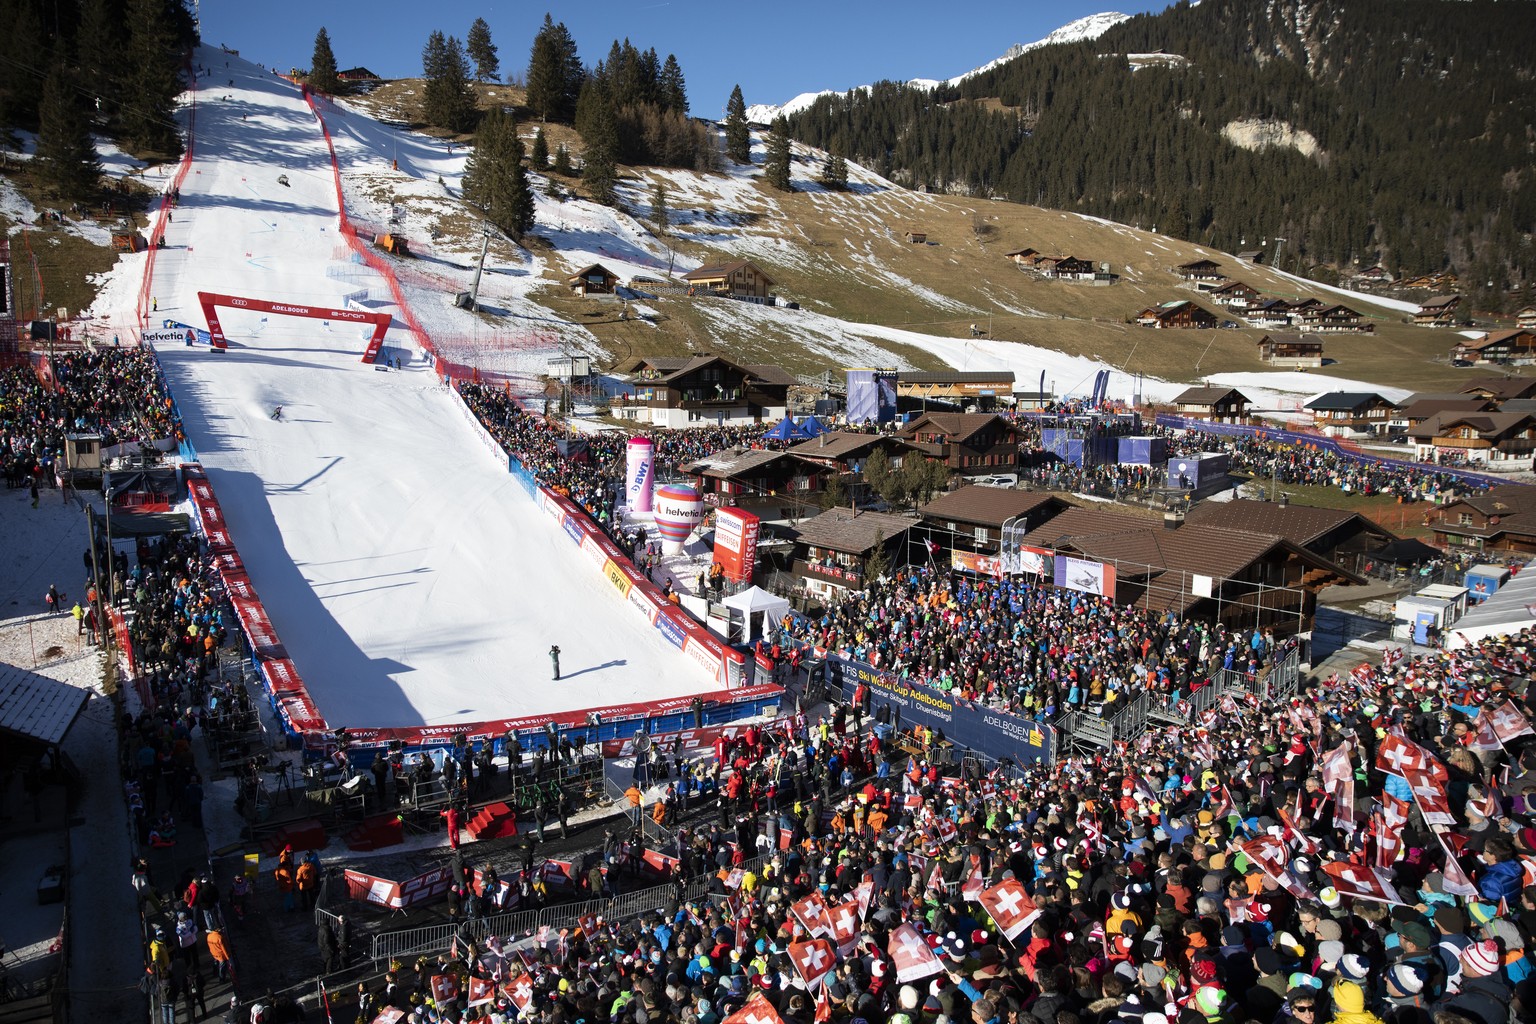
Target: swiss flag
811, 912
1389, 829
813, 960
1010, 906
445, 988
1509, 723
845, 920
390, 1015
481, 991
863, 893
971, 888
911, 955
1398, 754
588, 925
758, 1010
520, 991
1429, 794
1273, 858
823, 1006
936, 877
1361, 882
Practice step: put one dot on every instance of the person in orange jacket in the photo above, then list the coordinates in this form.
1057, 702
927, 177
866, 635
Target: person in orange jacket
307, 879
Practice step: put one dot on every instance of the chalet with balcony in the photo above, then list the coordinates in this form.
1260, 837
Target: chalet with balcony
1217, 404
956, 386
1501, 520
1333, 319
1200, 270
971, 444
741, 279
1074, 269
971, 519
594, 280
832, 550
1430, 282
1236, 577
1372, 277
1235, 295
1525, 318
917, 237
1022, 258
1179, 314
1291, 349
1335, 534
1508, 348
775, 485
1254, 256
1270, 313
700, 390
1346, 413
1492, 438
1439, 311
843, 453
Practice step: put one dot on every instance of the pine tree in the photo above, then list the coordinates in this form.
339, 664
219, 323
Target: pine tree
660, 217
322, 66
494, 177
596, 122
776, 165
22, 44
554, 74
562, 164
878, 563
674, 92
482, 51
447, 100
151, 83
833, 492
538, 156
97, 46
738, 137
834, 173
66, 156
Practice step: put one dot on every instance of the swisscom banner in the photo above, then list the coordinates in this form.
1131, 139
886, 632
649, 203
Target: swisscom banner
994, 733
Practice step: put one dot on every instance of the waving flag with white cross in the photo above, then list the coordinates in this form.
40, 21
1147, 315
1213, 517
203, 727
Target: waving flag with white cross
1389, 829
1509, 724
811, 912
481, 991
911, 955
1429, 794
1273, 857
863, 893
1010, 906
812, 960
1361, 882
519, 991
845, 925
758, 1010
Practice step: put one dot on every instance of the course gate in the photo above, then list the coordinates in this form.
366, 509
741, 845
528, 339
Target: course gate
211, 301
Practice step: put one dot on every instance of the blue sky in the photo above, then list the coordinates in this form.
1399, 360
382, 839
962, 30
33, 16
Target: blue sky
773, 50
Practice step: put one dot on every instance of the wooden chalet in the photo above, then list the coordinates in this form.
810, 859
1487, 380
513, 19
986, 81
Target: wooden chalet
1372, 277
1254, 256
1235, 295
1439, 311
1525, 318
917, 237
774, 484
955, 385
1480, 437
1238, 577
1429, 282
1333, 319
1344, 413
843, 453
1502, 520
1071, 268
357, 75
1200, 270
699, 390
1217, 404
1500, 389
741, 279
971, 518
831, 550
1292, 349
593, 280
1509, 348
1178, 314
971, 444
1022, 257
1415, 409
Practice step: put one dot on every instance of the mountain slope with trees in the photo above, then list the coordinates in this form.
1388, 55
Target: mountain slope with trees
1422, 111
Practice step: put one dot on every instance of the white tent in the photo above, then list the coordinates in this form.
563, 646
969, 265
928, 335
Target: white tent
756, 600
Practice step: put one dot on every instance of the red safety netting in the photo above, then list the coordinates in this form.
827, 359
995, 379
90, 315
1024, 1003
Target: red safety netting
162, 215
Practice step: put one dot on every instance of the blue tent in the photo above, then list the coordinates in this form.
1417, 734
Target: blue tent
787, 430
812, 427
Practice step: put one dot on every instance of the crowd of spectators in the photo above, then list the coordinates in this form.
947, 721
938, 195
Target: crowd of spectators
117, 393
1262, 866
1024, 646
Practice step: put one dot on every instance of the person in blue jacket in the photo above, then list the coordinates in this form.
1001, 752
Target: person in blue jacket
1502, 875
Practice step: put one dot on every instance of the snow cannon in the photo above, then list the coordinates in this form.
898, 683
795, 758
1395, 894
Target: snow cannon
640, 475
678, 510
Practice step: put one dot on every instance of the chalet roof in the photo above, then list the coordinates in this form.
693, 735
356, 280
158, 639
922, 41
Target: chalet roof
851, 531
718, 271
1502, 387
1145, 549
954, 377
838, 444
990, 506
593, 268
770, 373
1505, 499
671, 367
1337, 307
1439, 301
1250, 254
1418, 408
1299, 524
1020, 252
1495, 338
1199, 265
661, 364
1344, 401
1487, 424
957, 426
1233, 286
1209, 396
735, 462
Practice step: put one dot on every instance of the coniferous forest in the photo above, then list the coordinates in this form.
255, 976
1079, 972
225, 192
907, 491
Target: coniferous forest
1424, 114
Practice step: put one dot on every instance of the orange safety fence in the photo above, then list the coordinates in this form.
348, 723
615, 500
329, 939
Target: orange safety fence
162, 215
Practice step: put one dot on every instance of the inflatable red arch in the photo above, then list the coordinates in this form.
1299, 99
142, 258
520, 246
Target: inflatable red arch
211, 301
